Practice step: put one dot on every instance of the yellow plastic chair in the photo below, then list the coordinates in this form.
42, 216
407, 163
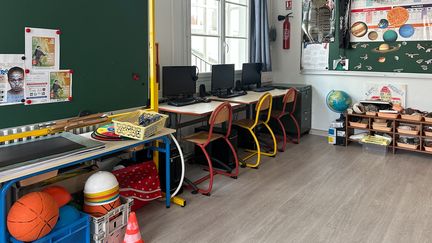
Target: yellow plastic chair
262, 109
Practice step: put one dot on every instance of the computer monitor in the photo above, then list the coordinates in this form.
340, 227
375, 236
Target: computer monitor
222, 77
251, 74
179, 81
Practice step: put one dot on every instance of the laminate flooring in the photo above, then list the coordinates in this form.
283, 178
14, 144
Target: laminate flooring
314, 192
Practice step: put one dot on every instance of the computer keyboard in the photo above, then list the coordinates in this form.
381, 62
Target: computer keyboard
183, 102
263, 89
232, 95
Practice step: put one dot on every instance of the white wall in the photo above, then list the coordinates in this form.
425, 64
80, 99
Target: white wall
286, 68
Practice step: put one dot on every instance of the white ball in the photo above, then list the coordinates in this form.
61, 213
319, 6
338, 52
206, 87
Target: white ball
99, 182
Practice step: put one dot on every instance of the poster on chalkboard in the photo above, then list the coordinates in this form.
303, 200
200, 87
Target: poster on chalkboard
12, 79
401, 20
42, 49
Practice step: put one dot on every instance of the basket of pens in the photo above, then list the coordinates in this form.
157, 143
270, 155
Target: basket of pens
139, 124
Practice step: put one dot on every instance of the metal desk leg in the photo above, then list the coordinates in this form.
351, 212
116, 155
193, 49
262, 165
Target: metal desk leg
167, 142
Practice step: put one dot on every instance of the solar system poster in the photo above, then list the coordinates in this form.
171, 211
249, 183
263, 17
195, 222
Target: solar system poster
400, 20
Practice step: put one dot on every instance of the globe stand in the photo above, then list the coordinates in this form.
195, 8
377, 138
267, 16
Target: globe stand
341, 118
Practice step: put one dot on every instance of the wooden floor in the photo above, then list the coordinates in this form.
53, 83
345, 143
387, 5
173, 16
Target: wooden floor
314, 192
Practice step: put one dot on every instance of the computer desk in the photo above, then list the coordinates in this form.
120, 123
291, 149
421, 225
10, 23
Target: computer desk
250, 98
201, 110
10, 177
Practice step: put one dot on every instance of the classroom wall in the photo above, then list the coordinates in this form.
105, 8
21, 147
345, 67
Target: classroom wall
286, 68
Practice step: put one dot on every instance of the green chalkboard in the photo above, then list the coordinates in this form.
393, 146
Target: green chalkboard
362, 56
104, 42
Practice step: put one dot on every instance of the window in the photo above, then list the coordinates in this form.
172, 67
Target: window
219, 33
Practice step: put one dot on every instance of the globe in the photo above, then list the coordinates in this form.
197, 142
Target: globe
338, 101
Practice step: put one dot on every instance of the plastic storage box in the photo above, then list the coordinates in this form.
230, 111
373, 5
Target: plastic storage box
111, 226
375, 148
79, 231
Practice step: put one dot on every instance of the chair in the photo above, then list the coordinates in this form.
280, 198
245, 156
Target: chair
263, 108
290, 97
223, 113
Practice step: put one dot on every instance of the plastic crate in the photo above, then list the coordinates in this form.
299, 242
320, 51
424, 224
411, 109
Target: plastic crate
111, 224
127, 125
375, 149
79, 231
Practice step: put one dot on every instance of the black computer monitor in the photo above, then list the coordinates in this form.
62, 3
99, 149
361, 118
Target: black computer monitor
251, 74
179, 81
222, 77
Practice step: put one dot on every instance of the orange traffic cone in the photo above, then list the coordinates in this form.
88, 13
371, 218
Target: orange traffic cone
133, 234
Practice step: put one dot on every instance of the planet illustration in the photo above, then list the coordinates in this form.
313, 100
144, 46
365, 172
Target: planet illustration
373, 35
406, 31
390, 36
384, 48
397, 16
359, 29
396, 58
381, 59
404, 43
383, 23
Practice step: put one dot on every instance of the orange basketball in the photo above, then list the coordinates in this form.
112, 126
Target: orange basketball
398, 16
60, 195
32, 217
101, 210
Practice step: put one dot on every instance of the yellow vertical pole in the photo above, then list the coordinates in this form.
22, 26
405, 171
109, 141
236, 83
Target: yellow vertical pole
154, 86
154, 90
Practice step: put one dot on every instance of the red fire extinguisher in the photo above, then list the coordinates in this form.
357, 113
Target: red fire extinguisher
286, 30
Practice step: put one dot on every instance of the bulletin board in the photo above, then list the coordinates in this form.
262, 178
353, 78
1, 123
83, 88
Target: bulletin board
387, 36
105, 43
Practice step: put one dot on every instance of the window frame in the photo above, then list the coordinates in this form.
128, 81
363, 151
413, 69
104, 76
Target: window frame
222, 36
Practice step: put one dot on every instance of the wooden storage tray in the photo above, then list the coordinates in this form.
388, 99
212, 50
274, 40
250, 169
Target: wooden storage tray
428, 149
358, 124
408, 132
408, 146
388, 115
382, 129
429, 134
428, 119
379, 124
371, 113
412, 118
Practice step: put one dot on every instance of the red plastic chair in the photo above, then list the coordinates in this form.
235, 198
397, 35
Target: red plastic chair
290, 97
223, 113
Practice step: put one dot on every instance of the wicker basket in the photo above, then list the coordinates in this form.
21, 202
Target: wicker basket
428, 134
371, 113
358, 124
412, 118
408, 132
388, 115
127, 125
407, 146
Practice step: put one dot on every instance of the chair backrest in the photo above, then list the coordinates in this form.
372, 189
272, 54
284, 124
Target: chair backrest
264, 104
290, 97
222, 113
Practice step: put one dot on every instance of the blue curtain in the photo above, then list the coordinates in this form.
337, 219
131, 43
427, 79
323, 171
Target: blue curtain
259, 34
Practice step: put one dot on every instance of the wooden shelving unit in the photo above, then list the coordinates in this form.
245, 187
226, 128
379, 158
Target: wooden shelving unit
393, 132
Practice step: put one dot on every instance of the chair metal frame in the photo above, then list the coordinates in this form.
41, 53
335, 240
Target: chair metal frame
215, 120
260, 108
289, 97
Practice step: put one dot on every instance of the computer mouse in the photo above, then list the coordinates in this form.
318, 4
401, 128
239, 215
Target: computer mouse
206, 100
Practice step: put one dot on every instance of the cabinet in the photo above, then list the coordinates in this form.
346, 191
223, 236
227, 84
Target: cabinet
303, 112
